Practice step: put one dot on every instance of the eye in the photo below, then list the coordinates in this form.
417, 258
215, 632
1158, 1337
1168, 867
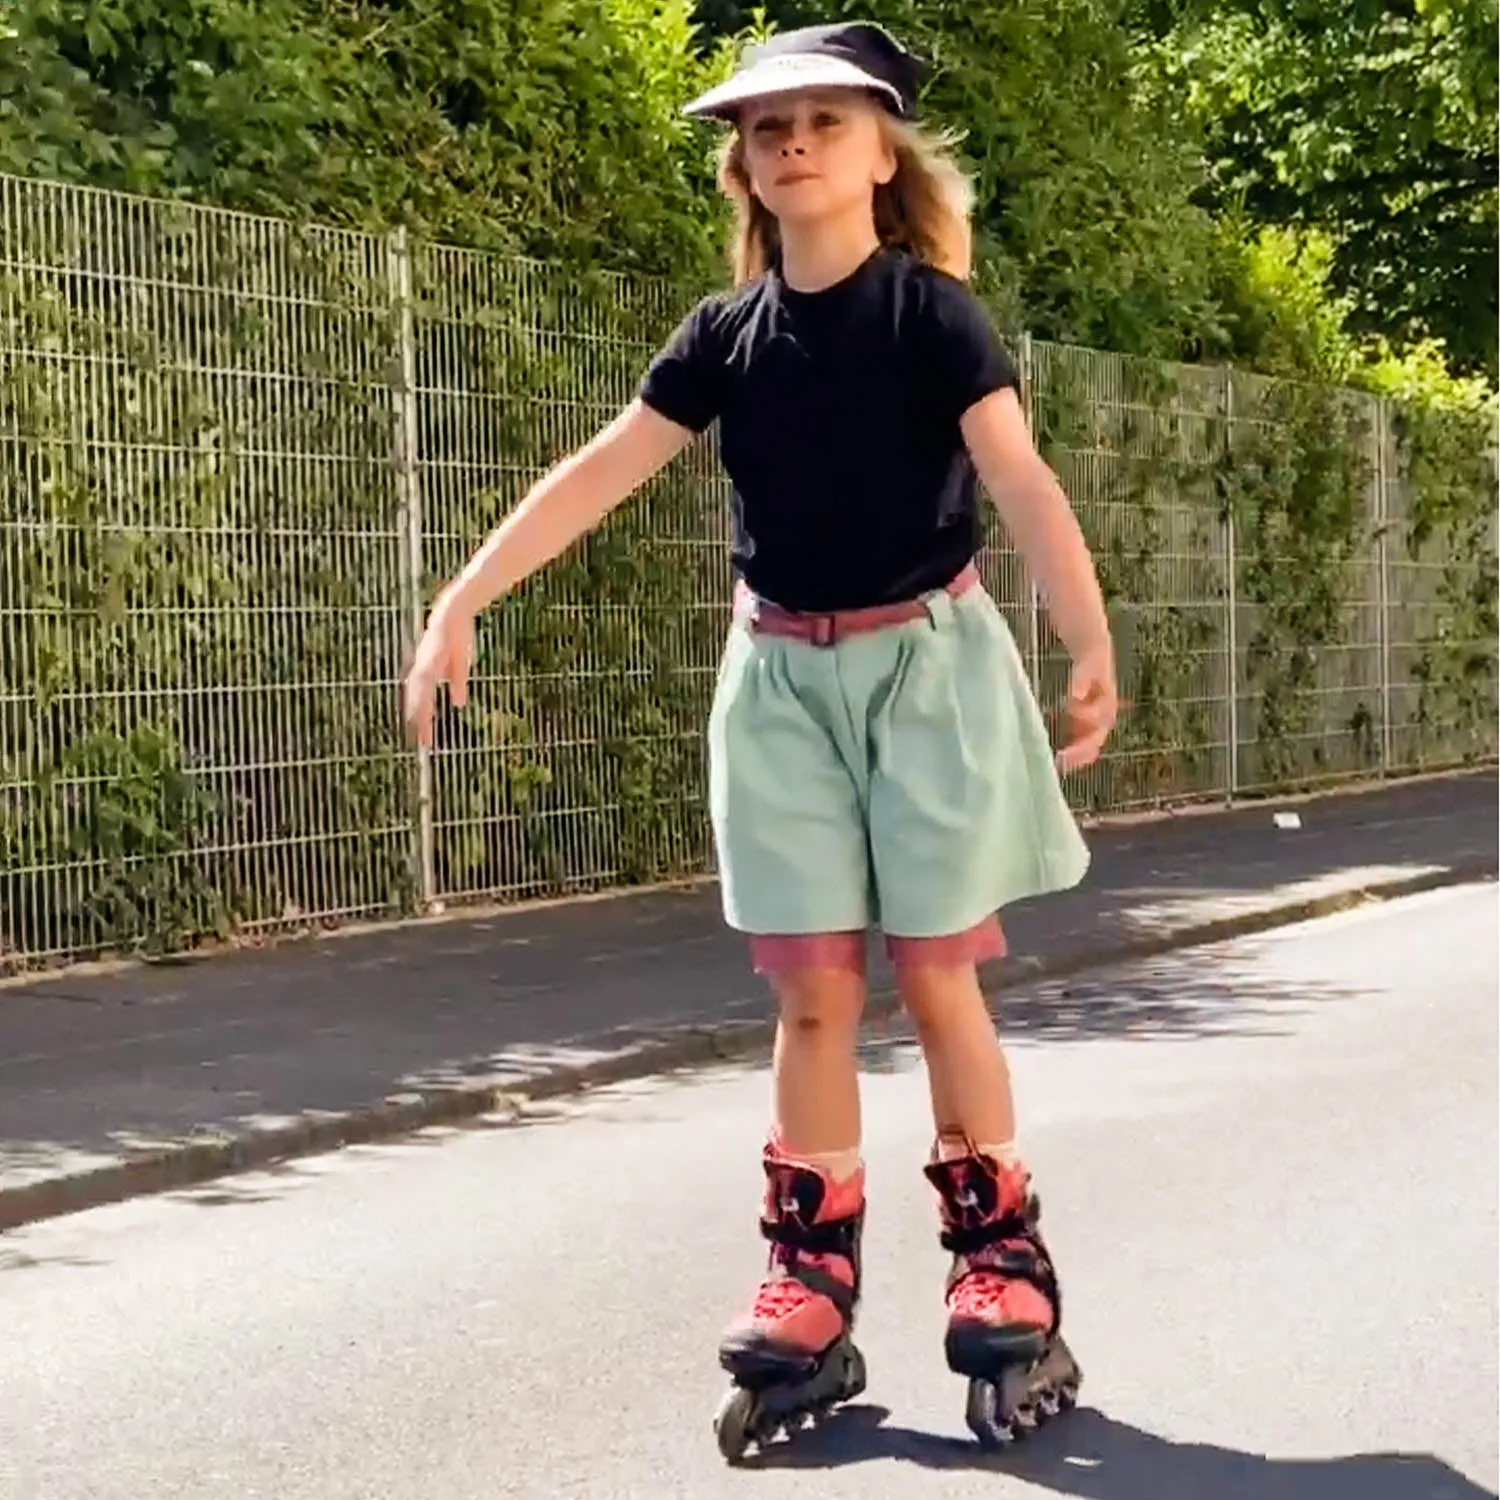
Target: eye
826, 119
769, 126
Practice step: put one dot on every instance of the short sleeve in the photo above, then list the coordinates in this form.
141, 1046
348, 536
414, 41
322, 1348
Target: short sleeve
966, 359
685, 382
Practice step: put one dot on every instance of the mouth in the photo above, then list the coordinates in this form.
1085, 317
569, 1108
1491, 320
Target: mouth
790, 179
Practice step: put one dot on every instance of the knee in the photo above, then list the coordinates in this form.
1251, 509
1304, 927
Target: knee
935, 996
938, 977
820, 1009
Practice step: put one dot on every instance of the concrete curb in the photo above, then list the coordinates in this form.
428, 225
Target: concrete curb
200, 1158
458, 910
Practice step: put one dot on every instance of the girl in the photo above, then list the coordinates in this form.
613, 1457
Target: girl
876, 755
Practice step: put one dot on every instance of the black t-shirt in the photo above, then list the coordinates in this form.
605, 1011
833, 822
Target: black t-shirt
838, 416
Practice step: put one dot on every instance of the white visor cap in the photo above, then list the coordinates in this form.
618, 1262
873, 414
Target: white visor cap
784, 75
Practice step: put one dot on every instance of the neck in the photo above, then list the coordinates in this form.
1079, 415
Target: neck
817, 255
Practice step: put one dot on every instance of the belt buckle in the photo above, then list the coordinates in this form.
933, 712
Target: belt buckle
822, 630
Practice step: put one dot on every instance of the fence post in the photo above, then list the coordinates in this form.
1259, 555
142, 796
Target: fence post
1231, 598
1383, 577
1033, 600
409, 496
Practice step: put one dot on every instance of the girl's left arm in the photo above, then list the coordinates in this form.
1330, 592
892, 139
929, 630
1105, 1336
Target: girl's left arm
1036, 512
1038, 516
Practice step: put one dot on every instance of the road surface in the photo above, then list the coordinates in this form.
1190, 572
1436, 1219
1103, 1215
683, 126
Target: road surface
1270, 1183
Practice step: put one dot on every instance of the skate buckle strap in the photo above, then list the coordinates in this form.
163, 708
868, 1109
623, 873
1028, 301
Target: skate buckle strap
841, 1294
1009, 1247
795, 1241
835, 1237
967, 1239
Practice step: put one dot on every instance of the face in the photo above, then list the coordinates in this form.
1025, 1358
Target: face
815, 154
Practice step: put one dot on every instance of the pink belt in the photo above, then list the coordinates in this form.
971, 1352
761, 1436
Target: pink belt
766, 618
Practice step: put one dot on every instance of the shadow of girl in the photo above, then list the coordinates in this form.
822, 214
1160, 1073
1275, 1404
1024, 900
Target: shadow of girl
1090, 1456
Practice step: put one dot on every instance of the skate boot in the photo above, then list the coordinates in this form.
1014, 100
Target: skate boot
1004, 1304
791, 1357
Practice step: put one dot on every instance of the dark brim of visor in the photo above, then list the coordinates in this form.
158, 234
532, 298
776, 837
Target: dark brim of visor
787, 74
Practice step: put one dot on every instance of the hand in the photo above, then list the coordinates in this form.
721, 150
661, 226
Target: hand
1093, 702
444, 655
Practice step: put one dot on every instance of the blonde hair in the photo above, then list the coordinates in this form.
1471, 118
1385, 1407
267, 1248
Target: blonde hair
924, 208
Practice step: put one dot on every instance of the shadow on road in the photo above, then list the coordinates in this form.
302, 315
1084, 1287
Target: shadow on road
1090, 1456
18, 1260
89, 1062
1198, 994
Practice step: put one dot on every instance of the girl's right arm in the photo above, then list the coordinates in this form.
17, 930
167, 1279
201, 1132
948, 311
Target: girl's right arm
571, 499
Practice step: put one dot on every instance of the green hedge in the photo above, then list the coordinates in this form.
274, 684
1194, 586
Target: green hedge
206, 588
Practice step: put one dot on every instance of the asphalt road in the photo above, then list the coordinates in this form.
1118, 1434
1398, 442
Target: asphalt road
1276, 1223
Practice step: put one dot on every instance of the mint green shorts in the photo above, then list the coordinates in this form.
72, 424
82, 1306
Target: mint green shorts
899, 777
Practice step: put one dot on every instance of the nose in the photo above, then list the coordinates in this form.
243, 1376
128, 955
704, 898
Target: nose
795, 140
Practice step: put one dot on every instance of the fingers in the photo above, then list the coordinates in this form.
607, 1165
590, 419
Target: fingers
1081, 752
421, 700
1089, 725
421, 694
1091, 709
445, 654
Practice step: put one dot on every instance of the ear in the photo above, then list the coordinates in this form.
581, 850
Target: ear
887, 165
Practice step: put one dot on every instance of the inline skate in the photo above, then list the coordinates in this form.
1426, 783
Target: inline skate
1004, 1305
791, 1358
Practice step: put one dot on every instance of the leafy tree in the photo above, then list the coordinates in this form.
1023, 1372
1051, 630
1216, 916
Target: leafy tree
546, 127
731, 18
1373, 120
552, 128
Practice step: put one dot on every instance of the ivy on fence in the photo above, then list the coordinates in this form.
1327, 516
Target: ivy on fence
1446, 470
1297, 484
210, 532
1133, 442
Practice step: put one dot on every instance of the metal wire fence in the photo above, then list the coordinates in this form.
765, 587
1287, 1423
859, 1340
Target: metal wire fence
236, 455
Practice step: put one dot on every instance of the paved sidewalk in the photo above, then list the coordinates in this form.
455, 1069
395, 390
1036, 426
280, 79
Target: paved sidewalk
149, 1077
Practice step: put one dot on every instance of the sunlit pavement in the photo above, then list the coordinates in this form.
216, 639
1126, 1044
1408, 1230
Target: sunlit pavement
1271, 1189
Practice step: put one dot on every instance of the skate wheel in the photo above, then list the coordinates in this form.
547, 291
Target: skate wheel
856, 1376
982, 1414
735, 1423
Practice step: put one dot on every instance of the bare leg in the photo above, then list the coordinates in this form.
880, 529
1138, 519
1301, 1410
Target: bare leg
1001, 1292
966, 1068
814, 1067
815, 1178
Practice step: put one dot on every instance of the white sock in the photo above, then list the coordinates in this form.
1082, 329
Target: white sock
951, 1147
839, 1165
